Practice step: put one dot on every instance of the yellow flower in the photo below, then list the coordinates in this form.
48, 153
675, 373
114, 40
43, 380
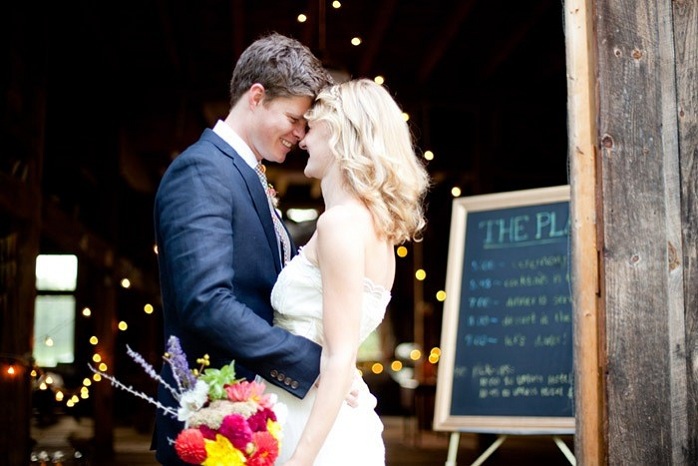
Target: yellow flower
274, 429
222, 453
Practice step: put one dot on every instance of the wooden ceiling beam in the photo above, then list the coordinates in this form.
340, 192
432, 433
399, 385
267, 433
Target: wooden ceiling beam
374, 41
440, 45
18, 199
514, 39
238, 21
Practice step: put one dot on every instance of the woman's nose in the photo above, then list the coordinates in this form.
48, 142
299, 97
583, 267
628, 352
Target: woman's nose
301, 144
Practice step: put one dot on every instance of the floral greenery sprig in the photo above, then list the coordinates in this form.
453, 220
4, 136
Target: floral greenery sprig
227, 421
271, 191
273, 195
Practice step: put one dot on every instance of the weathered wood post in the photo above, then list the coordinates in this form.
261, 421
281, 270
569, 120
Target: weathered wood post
633, 141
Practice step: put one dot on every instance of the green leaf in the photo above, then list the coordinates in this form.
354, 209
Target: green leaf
217, 379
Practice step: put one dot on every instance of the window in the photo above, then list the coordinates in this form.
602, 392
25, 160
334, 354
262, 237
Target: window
54, 315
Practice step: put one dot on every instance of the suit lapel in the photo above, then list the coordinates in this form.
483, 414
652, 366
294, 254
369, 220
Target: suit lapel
256, 192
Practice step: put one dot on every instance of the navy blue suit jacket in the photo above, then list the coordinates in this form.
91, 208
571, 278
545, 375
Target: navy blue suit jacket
218, 259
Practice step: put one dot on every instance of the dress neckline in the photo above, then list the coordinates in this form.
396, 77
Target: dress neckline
373, 286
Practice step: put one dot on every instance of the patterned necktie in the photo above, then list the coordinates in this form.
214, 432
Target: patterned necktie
281, 234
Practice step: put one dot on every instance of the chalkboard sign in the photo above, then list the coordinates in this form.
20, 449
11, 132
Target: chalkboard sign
506, 343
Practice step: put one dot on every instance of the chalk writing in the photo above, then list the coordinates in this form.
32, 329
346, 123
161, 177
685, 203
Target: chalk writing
514, 336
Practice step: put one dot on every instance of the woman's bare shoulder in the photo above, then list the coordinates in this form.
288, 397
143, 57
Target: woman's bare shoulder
344, 215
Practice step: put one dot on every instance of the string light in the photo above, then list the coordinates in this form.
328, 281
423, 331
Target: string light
377, 368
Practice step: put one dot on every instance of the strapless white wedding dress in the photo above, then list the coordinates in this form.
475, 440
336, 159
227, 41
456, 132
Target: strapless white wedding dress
357, 435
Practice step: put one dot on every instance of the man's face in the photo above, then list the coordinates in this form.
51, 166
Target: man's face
279, 126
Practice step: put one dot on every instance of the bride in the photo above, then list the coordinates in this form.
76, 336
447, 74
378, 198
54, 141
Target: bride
336, 290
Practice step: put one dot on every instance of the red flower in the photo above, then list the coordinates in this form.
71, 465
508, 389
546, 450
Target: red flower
258, 421
190, 446
266, 452
207, 432
234, 427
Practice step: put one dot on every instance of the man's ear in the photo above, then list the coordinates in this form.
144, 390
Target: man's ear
255, 95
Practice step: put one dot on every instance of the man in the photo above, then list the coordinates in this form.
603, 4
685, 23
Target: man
220, 248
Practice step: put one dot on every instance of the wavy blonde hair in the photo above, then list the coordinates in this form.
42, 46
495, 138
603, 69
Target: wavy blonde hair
375, 153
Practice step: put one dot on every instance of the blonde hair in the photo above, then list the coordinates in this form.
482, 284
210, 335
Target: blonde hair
375, 154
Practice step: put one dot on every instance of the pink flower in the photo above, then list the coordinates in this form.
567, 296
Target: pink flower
235, 429
249, 391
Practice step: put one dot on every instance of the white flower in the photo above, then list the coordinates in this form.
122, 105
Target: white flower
192, 400
280, 409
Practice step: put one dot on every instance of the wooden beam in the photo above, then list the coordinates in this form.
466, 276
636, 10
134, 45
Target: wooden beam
238, 23
439, 46
514, 40
685, 24
18, 199
582, 110
375, 37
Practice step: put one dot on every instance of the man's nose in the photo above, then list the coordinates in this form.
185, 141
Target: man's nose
299, 131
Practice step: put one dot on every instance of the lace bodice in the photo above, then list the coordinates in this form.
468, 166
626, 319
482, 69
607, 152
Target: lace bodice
297, 301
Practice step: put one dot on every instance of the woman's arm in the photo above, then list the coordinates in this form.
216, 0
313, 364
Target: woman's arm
340, 254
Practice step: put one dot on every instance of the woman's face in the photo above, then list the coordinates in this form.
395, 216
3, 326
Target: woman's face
316, 143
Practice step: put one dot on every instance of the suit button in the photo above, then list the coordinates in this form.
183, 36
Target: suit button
287, 381
280, 377
274, 373
294, 384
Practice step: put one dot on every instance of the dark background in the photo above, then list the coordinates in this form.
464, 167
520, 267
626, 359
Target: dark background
128, 85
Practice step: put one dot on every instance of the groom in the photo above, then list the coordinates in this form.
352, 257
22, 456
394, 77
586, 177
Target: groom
219, 252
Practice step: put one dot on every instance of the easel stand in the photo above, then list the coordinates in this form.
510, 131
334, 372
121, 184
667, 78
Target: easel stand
455, 439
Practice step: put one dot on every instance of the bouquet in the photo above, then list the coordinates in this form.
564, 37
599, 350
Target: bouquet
227, 421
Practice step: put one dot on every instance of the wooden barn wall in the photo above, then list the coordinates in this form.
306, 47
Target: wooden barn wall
647, 228
22, 132
685, 24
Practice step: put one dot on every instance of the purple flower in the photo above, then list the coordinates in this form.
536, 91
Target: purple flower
178, 361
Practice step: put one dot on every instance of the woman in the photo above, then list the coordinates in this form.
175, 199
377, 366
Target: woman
335, 291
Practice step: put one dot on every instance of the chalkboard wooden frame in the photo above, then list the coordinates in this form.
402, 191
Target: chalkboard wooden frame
445, 419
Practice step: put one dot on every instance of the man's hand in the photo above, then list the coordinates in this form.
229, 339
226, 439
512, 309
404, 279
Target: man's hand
359, 394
